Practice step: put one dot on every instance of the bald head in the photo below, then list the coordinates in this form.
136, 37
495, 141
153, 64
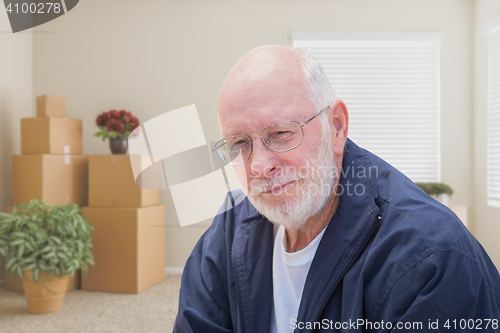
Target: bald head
274, 75
262, 70
266, 59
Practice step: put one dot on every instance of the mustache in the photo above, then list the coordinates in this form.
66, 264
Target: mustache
259, 186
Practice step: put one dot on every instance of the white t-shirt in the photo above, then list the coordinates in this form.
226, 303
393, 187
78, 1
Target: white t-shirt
289, 276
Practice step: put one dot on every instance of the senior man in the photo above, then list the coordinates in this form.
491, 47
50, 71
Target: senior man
329, 236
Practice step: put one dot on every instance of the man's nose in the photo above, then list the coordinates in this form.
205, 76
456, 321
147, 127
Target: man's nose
264, 162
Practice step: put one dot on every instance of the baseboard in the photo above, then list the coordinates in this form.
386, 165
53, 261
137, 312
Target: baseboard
173, 270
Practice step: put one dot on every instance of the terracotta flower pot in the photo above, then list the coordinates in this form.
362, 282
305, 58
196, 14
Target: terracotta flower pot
44, 298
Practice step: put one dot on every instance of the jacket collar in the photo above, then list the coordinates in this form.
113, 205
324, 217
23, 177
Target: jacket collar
349, 230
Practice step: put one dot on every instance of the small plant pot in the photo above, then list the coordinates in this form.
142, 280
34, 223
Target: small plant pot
118, 145
44, 298
442, 198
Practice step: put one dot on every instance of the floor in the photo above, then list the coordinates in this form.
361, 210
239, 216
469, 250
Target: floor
153, 310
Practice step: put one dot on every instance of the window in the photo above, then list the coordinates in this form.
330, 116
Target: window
493, 31
390, 84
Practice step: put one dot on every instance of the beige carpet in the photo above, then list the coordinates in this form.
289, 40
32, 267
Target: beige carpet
153, 310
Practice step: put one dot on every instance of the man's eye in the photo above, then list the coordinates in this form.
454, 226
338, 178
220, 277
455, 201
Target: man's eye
279, 135
240, 144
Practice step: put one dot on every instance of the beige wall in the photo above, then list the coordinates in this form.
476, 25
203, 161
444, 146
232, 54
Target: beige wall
15, 102
154, 56
487, 218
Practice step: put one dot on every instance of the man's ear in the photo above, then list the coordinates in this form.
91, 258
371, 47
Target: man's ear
339, 121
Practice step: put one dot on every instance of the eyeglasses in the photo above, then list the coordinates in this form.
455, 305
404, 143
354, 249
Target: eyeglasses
280, 137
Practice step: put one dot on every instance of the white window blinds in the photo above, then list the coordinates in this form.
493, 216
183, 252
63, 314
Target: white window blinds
494, 114
390, 84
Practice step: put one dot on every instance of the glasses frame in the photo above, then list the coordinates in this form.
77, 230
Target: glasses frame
218, 143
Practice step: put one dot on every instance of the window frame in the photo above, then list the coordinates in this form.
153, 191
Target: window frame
493, 111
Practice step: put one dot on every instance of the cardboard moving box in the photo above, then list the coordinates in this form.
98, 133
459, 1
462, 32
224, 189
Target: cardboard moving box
112, 183
59, 179
51, 135
50, 106
128, 248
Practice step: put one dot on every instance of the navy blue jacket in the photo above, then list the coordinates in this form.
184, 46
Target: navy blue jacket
390, 254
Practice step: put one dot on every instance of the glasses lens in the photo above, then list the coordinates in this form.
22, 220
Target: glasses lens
283, 136
234, 150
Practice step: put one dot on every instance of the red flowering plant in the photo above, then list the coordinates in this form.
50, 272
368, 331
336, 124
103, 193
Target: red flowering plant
115, 124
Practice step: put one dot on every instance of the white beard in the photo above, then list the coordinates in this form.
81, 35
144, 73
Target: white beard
318, 180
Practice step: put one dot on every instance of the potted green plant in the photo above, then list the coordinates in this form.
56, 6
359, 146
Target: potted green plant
117, 126
43, 245
439, 191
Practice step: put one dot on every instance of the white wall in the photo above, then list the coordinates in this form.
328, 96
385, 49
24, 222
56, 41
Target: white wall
487, 217
15, 102
154, 56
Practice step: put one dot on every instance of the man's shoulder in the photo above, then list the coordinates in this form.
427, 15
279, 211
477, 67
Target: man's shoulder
417, 227
406, 208
414, 226
418, 240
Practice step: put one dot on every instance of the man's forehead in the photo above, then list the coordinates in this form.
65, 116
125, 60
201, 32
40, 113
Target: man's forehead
240, 120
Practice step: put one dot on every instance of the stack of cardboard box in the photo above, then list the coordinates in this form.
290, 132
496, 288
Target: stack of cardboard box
129, 236
50, 166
